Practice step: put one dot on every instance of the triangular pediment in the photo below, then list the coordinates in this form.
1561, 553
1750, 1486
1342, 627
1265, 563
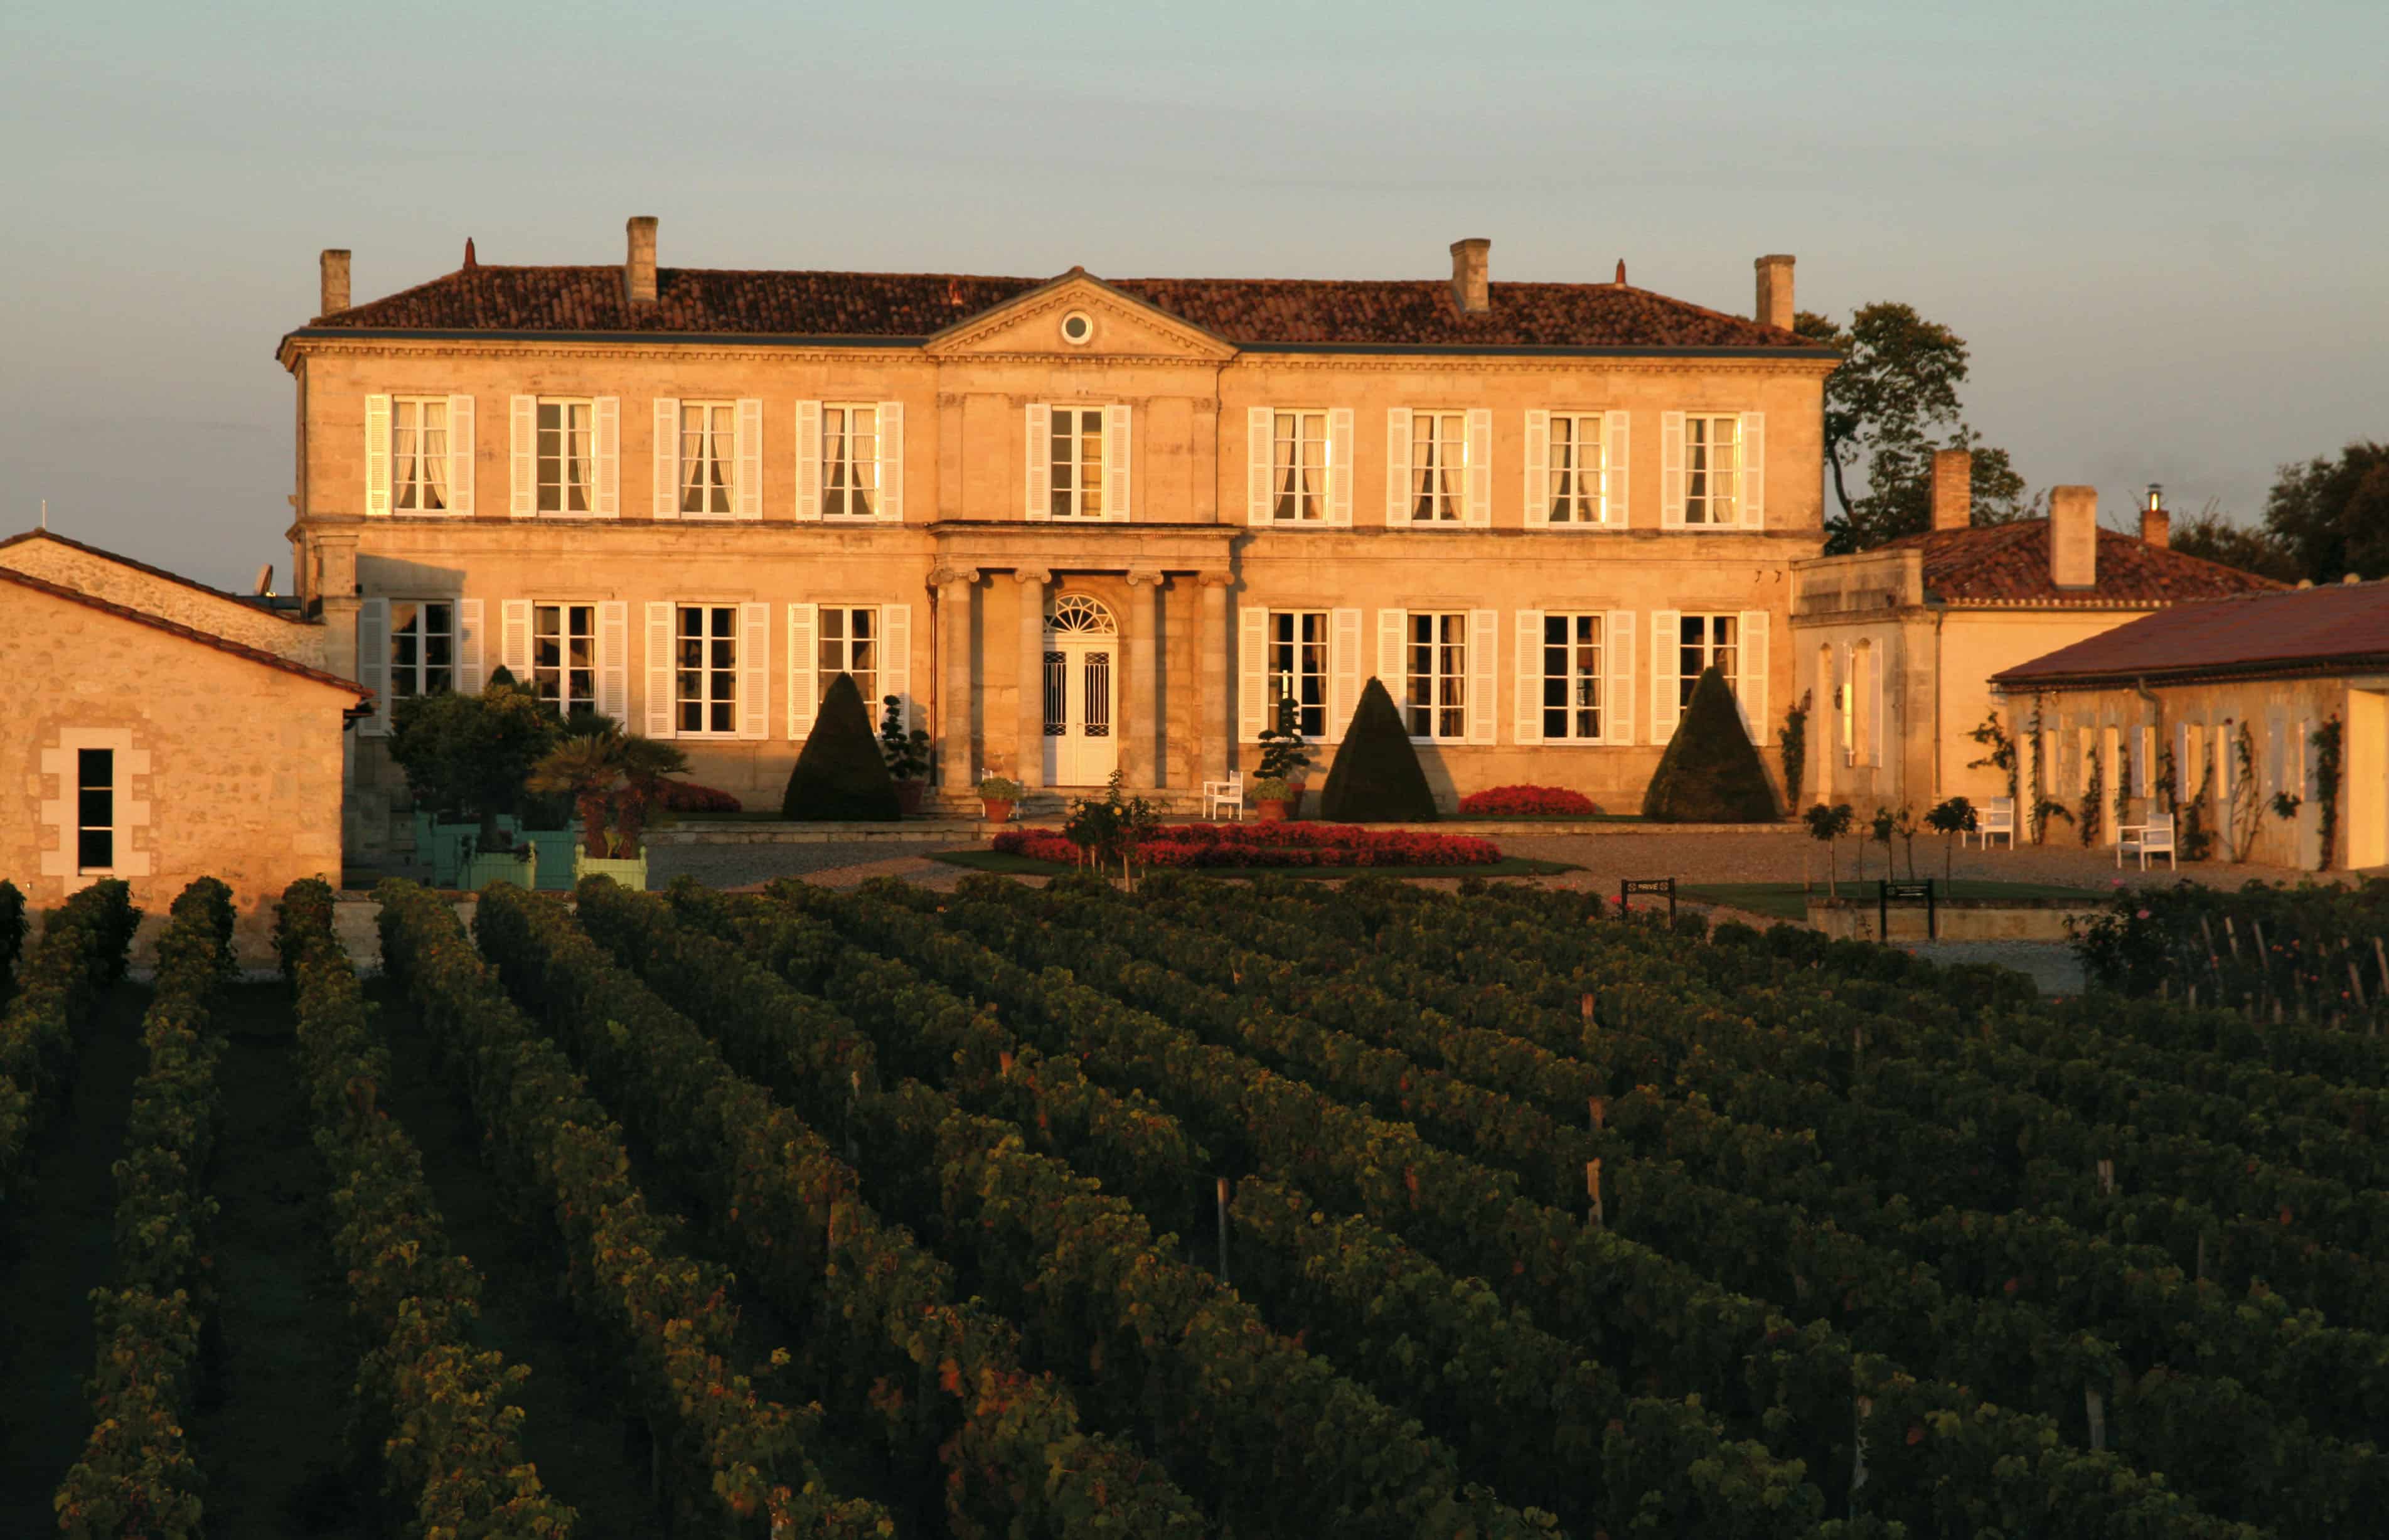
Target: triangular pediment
1120, 325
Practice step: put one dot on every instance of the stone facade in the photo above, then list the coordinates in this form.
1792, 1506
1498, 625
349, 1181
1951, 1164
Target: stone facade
104, 574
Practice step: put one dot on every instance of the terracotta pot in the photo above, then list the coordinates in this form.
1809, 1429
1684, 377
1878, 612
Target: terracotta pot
908, 796
996, 808
1294, 799
1270, 811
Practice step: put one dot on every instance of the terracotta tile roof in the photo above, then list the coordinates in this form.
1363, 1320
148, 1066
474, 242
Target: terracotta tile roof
247, 601
2346, 623
188, 633
1253, 312
2009, 564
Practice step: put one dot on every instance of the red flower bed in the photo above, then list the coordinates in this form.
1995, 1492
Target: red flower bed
1523, 801
1286, 844
686, 797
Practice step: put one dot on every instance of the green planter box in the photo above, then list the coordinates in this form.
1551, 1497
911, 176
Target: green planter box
441, 847
556, 848
519, 868
630, 874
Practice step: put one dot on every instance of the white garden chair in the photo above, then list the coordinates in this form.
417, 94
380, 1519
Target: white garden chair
1225, 796
1996, 818
2153, 838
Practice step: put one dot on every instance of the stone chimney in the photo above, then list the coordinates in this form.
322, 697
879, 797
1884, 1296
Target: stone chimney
1953, 489
335, 297
639, 266
1471, 287
2156, 525
2074, 536
1775, 291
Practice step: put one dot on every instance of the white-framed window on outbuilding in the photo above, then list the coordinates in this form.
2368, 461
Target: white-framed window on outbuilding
95, 813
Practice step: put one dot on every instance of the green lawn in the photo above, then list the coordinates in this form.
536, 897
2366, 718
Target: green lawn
1789, 900
1024, 865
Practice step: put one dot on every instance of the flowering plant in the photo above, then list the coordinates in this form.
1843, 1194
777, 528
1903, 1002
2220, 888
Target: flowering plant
1528, 802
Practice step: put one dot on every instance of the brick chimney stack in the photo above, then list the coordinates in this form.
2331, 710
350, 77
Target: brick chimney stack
1471, 286
1775, 291
639, 267
335, 297
2074, 537
2156, 524
1953, 489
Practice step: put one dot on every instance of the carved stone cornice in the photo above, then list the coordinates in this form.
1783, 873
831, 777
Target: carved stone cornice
713, 350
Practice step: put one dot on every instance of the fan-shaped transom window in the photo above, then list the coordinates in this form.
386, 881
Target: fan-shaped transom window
1077, 615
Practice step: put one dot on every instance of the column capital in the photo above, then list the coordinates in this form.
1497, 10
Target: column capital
1215, 580
1037, 575
1135, 577
940, 576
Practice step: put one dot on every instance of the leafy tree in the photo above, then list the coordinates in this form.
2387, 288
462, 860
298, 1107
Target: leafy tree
1375, 776
1950, 820
1827, 824
2332, 515
1711, 772
470, 754
1893, 403
2248, 547
839, 774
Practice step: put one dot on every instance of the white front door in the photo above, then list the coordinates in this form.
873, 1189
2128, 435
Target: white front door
1081, 697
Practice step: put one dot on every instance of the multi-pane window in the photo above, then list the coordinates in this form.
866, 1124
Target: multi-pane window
1572, 677
1298, 467
1297, 667
1436, 698
422, 647
418, 454
1704, 642
1576, 465
850, 644
1439, 466
95, 810
566, 456
850, 461
708, 456
1075, 489
705, 680
1712, 469
564, 655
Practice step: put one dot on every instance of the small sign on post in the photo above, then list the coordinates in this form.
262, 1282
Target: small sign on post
1907, 893
1649, 886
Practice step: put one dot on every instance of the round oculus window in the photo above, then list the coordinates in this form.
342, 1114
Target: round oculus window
1078, 329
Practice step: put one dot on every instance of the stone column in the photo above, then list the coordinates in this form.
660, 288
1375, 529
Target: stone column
1030, 771
1140, 724
1217, 733
954, 585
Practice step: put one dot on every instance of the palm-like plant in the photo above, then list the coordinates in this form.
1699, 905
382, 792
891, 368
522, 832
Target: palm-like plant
614, 779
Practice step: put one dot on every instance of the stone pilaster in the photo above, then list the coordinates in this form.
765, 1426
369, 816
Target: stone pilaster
1215, 737
1140, 712
954, 685
1031, 770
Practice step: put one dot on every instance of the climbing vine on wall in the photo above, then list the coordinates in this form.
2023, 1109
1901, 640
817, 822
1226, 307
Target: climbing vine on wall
2094, 798
1793, 742
2326, 742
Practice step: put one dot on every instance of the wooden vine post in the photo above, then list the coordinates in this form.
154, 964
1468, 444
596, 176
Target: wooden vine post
1223, 1229
1592, 1190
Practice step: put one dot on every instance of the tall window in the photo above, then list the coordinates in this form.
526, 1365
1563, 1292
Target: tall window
1077, 489
1712, 468
418, 454
1437, 698
566, 456
95, 810
705, 686
1705, 641
1298, 469
564, 655
1297, 667
422, 647
850, 462
850, 644
1577, 464
1572, 677
1846, 699
1439, 463
708, 455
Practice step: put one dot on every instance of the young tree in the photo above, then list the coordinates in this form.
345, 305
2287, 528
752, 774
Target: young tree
1827, 824
1880, 829
470, 754
1949, 820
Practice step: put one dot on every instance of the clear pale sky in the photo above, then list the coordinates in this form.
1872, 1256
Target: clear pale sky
2163, 228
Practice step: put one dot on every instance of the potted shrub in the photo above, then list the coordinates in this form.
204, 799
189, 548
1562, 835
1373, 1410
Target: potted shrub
997, 797
616, 781
907, 754
1270, 794
470, 754
1284, 757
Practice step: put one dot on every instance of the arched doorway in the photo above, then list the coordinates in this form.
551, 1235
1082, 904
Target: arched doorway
1081, 692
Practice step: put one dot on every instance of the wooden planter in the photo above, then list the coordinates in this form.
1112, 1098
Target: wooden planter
1269, 812
518, 866
997, 809
631, 872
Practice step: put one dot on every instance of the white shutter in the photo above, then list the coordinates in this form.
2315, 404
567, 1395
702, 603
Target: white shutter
1753, 470
1339, 468
804, 669
1750, 689
1252, 672
514, 637
1116, 451
614, 660
666, 457
1393, 626
468, 646
2185, 768
1483, 650
1259, 441
891, 466
1537, 493
460, 456
746, 479
895, 658
1667, 685
2144, 768
1041, 465
1878, 729
1477, 510
754, 670
660, 716
1614, 501
372, 662
1671, 471
1528, 673
523, 456
808, 460
1617, 690
1397, 469
605, 454
1343, 671
377, 456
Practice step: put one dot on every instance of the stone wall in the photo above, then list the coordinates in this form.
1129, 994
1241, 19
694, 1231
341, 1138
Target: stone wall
185, 604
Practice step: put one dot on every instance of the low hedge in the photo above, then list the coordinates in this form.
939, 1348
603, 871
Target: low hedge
1527, 801
80, 953
1271, 844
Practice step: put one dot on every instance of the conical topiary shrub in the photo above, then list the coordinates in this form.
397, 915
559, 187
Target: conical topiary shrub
840, 775
1376, 777
1711, 772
